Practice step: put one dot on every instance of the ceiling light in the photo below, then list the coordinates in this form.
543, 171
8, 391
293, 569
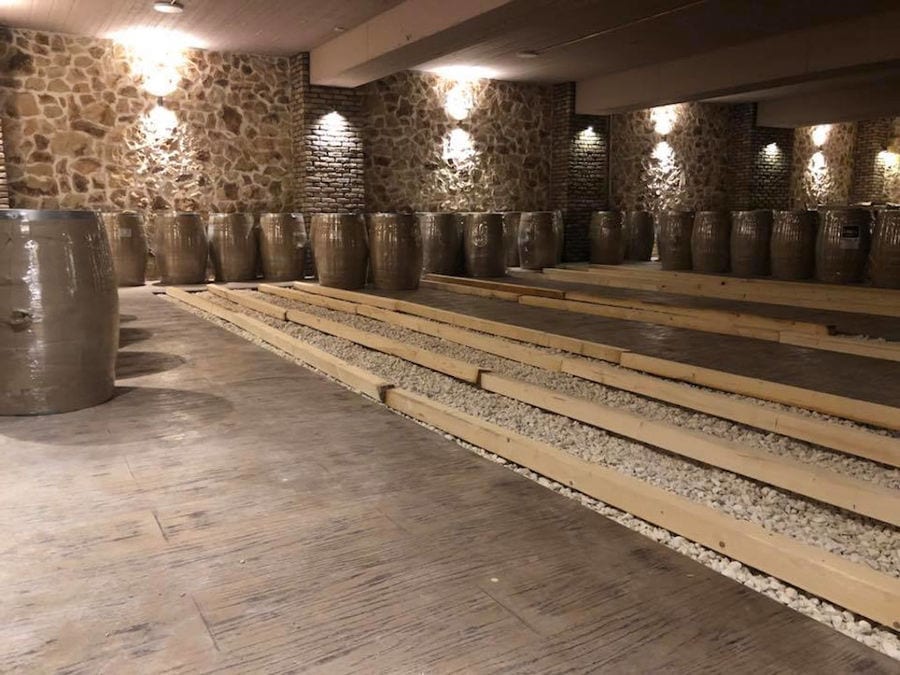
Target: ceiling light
168, 6
528, 54
338, 29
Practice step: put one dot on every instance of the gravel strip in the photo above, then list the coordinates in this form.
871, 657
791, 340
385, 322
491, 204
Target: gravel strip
856, 538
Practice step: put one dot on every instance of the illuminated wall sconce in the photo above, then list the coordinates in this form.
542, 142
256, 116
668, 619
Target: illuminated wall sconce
888, 159
817, 162
157, 57
664, 154
159, 124
458, 147
819, 134
664, 118
772, 150
334, 123
459, 100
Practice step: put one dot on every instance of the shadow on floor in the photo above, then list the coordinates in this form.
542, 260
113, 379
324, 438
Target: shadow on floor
128, 336
138, 364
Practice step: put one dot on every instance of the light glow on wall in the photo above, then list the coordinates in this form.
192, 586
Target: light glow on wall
588, 136
819, 134
458, 147
334, 124
889, 160
156, 55
664, 118
460, 100
464, 73
158, 124
772, 150
664, 155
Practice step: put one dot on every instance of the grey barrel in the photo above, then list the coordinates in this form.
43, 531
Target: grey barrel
442, 242
639, 235
538, 240
842, 244
282, 246
607, 238
711, 241
674, 232
884, 258
181, 247
395, 251
232, 246
59, 305
128, 243
483, 245
511, 237
793, 245
341, 249
751, 232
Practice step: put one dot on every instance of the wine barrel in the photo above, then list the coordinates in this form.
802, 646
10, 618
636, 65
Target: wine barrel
638, 235
483, 245
751, 232
441, 243
559, 231
538, 240
711, 241
607, 238
282, 246
793, 245
884, 258
232, 246
842, 245
675, 239
59, 305
511, 237
181, 247
128, 244
340, 249
395, 251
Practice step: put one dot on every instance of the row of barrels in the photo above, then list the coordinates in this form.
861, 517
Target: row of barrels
392, 250
833, 245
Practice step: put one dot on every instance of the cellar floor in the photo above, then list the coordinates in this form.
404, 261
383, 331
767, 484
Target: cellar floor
229, 510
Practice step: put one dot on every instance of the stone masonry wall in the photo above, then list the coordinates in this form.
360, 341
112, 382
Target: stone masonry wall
420, 158
822, 166
673, 157
81, 131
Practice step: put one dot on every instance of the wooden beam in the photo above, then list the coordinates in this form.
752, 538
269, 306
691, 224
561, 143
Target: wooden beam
853, 441
866, 412
469, 290
518, 289
249, 301
356, 378
310, 299
880, 302
854, 586
858, 442
873, 349
800, 478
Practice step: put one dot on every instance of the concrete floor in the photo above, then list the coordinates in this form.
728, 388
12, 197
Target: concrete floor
229, 510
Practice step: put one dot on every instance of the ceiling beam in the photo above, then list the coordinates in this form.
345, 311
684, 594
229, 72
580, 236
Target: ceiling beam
413, 32
847, 104
812, 53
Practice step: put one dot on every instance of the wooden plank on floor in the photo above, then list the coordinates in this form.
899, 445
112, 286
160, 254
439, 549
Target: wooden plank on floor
798, 477
858, 588
853, 441
249, 300
356, 378
876, 414
873, 349
470, 290
879, 302
517, 289
309, 298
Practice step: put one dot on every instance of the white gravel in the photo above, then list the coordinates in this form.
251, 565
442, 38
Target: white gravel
855, 538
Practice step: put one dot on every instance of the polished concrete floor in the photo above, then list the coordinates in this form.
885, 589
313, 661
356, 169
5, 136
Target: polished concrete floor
228, 510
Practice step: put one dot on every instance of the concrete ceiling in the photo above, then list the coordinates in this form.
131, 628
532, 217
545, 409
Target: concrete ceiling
258, 26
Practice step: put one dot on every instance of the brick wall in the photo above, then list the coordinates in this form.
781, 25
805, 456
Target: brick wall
4, 190
759, 162
579, 172
327, 137
868, 183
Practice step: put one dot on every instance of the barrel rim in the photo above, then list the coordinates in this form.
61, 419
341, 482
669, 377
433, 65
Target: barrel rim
41, 214
280, 213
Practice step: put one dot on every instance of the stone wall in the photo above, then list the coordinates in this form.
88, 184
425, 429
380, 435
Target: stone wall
419, 157
673, 157
81, 131
4, 191
822, 166
876, 173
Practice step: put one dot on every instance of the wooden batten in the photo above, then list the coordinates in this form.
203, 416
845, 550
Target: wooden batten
517, 289
309, 298
857, 587
478, 291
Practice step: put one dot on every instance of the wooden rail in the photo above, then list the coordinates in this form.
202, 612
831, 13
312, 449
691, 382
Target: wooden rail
881, 302
876, 414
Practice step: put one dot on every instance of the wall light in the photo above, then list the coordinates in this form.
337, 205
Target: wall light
888, 159
664, 118
665, 155
334, 123
460, 100
158, 124
458, 147
819, 134
588, 136
772, 150
156, 55
464, 73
